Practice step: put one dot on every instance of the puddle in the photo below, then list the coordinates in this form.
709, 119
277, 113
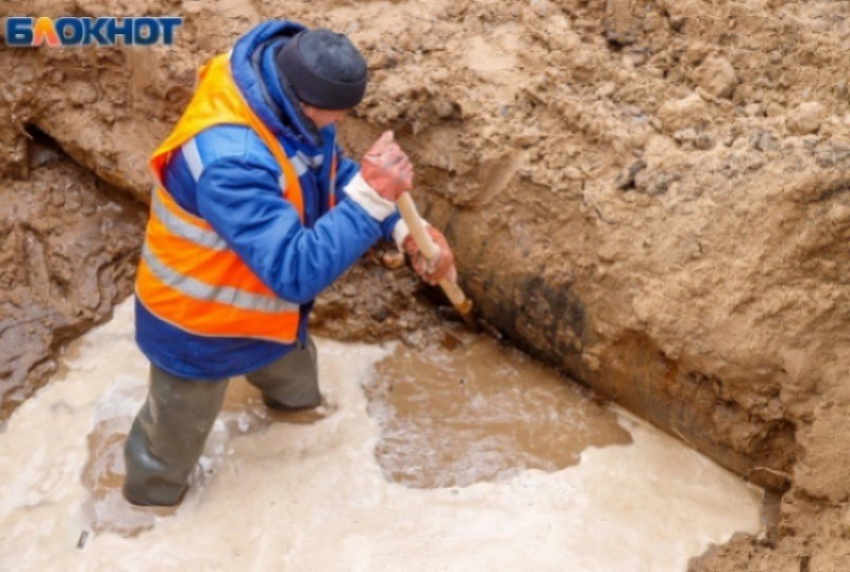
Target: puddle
473, 410
312, 495
106, 510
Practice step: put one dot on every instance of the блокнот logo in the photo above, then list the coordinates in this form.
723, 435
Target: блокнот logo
144, 31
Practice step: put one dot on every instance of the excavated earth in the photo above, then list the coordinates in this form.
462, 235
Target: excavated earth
69, 245
652, 197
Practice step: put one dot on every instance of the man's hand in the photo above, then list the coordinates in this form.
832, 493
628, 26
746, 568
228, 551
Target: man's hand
387, 169
439, 267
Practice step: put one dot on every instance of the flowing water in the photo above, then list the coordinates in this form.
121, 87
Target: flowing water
466, 457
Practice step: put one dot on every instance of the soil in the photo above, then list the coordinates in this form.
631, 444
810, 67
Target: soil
398, 306
69, 245
651, 197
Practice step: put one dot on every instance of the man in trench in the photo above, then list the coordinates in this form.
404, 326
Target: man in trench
255, 213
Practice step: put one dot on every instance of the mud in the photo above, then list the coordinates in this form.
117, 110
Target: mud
105, 509
372, 303
451, 414
280, 493
469, 411
650, 197
69, 244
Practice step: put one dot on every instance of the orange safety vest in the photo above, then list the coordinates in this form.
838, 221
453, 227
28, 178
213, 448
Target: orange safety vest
188, 276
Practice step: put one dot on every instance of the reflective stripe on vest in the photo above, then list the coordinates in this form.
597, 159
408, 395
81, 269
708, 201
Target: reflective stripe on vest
207, 239
200, 234
223, 294
188, 275
190, 278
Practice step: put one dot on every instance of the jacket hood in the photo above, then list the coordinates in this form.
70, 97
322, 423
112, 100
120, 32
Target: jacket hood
266, 90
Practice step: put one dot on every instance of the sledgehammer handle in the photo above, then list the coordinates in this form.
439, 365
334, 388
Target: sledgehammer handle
429, 250
417, 226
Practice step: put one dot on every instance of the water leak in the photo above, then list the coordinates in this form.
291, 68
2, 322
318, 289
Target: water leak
313, 493
473, 410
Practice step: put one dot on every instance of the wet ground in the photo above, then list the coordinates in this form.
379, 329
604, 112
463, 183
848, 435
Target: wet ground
472, 410
466, 456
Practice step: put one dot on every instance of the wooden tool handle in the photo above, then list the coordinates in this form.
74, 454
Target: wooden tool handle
457, 297
429, 251
416, 226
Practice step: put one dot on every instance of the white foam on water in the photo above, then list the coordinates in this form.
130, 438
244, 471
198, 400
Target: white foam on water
312, 497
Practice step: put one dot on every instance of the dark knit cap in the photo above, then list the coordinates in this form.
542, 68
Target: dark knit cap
324, 69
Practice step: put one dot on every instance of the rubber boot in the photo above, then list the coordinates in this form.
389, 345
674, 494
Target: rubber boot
168, 436
292, 382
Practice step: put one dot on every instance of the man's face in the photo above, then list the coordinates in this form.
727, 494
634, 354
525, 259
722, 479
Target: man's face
323, 117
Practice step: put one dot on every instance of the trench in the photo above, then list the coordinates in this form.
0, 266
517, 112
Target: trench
703, 277
457, 439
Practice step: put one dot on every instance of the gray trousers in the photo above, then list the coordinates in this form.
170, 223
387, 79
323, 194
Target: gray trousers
169, 432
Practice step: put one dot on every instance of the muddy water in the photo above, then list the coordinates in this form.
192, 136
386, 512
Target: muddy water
313, 494
474, 411
106, 510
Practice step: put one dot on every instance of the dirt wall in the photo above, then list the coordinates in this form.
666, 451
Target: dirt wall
69, 245
651, 196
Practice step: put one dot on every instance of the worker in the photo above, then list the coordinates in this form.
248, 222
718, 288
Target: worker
256, 212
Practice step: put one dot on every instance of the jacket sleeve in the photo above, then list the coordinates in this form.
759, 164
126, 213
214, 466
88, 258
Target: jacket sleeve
240, 197
347, 171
